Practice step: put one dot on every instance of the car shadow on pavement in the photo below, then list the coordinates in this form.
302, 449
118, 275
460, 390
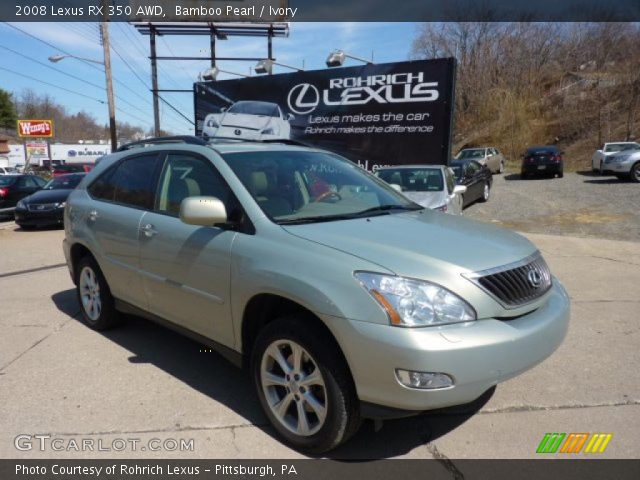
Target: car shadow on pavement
607, 181
210, 374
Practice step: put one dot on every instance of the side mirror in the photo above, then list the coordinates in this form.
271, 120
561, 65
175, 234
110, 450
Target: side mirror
396, 187
203, 211
459, 189
290, 117
223, 109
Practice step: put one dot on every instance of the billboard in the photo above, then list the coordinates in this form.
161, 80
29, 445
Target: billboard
35, 128
382, 114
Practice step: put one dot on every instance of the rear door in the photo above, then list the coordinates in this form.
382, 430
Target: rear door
187, 268
121, 197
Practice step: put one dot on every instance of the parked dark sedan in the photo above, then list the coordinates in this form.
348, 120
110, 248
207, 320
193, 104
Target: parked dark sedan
542, 160
46, 207
14, 188
476, 177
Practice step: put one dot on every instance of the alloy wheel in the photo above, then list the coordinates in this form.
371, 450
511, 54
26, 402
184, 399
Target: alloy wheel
294, 387
486, 192
90, 293
636, 172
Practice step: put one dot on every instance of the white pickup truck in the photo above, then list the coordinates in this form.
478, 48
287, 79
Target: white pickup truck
607, 149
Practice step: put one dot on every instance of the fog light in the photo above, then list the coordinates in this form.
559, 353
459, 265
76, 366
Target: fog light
423, 380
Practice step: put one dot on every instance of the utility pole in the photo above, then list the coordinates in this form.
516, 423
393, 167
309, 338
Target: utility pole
154, 82
104, 31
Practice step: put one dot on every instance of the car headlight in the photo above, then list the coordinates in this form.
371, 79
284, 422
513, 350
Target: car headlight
619, 158
212, 123
21, 205
415, 303
268, 131
61, 204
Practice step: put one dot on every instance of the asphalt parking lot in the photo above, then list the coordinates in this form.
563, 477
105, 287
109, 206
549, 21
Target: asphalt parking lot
141, 381
580, 204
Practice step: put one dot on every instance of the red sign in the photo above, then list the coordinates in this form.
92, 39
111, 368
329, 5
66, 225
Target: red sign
35, 128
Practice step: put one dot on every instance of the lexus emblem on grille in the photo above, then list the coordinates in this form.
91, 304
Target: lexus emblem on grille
40, 207
237, 131
534, 277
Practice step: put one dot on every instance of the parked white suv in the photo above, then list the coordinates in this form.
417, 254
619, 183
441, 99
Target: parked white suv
608, 149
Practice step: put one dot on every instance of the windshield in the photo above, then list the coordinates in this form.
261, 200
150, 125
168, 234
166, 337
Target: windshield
255, 108
414, 179
64, 182
472, 153
305, 187
619, 147
6, 180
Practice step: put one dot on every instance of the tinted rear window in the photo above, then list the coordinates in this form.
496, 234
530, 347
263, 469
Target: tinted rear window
131, 182
542, 150
6, 180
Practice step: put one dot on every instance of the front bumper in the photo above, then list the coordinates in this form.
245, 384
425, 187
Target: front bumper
617, 168
477, 355
35, 218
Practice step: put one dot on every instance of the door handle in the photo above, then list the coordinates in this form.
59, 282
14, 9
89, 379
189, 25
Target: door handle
93, 215
148, 230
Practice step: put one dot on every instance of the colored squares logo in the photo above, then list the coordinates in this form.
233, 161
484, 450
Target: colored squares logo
574, 443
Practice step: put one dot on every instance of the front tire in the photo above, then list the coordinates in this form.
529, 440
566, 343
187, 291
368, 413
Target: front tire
94, 296
304, 388
486, 192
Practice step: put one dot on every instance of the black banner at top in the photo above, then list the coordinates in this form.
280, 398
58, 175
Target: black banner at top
320, 10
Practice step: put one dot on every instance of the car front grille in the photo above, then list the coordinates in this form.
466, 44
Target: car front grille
515, 284
41, 207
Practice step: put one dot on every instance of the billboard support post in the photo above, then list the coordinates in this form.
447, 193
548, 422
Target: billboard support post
154, 81
213, 48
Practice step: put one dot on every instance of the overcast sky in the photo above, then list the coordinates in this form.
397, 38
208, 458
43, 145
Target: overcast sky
308, 42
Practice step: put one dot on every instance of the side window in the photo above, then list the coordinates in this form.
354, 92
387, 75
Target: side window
131, 183
448, 177
27, 182
189, 176
40, 182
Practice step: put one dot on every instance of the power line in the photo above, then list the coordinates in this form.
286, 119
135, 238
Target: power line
69, 75
51, 45
51, 85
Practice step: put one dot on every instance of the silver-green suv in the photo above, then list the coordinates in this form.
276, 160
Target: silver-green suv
345, 299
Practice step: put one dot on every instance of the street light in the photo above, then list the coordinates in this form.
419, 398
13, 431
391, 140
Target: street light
108, 77
266, 66
337, 58
57, 58
212, 73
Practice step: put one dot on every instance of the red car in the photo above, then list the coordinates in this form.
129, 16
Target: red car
72, 168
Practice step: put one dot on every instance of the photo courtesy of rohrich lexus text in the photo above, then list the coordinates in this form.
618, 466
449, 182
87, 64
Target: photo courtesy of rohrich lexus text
308, 240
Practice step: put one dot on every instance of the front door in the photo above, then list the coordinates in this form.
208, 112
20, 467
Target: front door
186, 269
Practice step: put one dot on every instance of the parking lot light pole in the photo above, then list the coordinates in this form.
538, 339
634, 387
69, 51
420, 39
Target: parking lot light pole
337, 58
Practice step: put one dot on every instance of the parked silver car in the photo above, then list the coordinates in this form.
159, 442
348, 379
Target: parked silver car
431, 186
489, 156
345, 299
624, 164
598, 160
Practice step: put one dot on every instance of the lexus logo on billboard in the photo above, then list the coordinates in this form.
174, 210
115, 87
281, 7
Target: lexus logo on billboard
303, 98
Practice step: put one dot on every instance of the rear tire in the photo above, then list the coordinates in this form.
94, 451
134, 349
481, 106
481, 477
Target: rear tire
634, 174
305, 389
94, 296
560, 174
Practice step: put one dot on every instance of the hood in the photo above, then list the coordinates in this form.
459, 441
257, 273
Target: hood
243, 120
418, 243
427, 199
48, 196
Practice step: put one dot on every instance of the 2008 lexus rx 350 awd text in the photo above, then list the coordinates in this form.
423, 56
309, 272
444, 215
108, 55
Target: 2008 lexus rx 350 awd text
345, 299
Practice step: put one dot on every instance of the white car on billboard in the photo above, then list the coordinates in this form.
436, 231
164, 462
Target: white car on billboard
249, 120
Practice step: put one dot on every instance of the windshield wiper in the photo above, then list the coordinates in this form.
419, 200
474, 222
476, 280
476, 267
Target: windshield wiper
387, 208
317, 219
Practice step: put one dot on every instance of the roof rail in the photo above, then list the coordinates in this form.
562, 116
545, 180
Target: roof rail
189, 139
285, 141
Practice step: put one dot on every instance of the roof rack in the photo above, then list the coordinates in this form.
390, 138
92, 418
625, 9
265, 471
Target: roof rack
189, 139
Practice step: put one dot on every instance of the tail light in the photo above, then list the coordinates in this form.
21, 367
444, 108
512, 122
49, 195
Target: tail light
556, 158
4, 192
